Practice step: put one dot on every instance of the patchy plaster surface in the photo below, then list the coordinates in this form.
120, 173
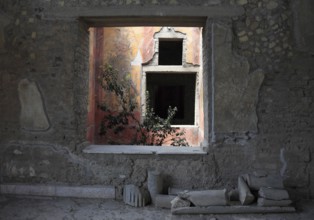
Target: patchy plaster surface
33, 116
236, 89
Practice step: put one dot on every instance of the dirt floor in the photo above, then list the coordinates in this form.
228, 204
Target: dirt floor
12, 208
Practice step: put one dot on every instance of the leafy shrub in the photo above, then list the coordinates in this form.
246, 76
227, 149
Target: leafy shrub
152, 130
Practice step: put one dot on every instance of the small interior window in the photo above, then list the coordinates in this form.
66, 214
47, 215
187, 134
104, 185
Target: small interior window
170, 52
175, 90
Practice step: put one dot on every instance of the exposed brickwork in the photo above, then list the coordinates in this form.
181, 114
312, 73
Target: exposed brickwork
263, 33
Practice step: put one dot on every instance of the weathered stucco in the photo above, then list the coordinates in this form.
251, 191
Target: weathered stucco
267, 127
33, 116
236, 89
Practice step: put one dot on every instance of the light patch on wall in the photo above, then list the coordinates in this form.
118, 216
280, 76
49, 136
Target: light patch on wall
33, 116
137, 60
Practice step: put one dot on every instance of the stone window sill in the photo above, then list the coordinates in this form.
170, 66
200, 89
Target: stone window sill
149, 150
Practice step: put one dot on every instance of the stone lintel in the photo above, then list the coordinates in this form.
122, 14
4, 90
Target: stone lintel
145, 15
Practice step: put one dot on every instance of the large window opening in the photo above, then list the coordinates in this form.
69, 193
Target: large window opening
164, 61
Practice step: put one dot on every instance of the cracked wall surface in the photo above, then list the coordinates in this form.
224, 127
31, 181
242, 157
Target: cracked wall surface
236, 89
267, 45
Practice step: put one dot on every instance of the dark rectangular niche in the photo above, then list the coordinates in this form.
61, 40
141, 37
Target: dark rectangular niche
170, 52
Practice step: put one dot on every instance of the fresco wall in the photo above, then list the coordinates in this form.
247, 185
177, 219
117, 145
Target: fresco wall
127, 49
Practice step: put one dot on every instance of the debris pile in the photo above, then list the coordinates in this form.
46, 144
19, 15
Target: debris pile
256, 193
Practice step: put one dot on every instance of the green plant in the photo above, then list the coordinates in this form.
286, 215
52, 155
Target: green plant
152, 130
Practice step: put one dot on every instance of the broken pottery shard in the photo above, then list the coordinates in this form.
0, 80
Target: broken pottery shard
245, 195
134, 196
154, 184
270, 203
273, 194
177, 202
272, 181
163, 201
208, 197
33, 116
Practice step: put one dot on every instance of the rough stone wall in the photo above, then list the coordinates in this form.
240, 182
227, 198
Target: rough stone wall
49, 50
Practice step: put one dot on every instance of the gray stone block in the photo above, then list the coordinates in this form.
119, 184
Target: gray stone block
134, 196
273, 181
273, 203
245, 195
154, 184
273, 194
178, 202
163, 201
207, 197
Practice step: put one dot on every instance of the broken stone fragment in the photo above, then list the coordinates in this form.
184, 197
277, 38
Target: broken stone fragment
154, 184
177, 202
233, 195
207, 197
163, 201
271, 181
174, 191
134, 196
268, 203
273, 194
245, 195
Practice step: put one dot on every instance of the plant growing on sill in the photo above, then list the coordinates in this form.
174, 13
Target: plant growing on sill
152, 130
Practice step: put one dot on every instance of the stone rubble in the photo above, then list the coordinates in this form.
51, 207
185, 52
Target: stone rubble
273, 194
178, 202
273, 203
164, 201
206, 197
245, 195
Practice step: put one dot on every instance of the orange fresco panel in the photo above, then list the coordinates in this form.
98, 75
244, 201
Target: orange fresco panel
118, 47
